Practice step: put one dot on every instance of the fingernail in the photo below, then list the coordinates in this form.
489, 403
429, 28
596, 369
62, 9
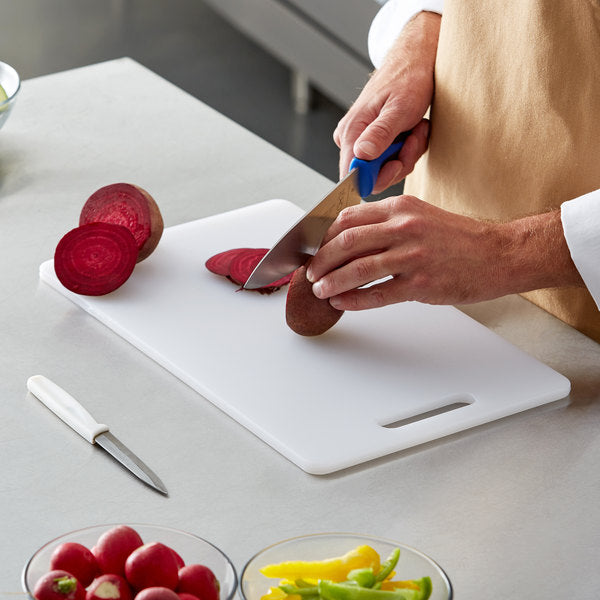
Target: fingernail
366, 148
335, 302
309, 275
317, 289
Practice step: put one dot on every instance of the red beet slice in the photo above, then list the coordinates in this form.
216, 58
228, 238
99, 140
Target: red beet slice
128, 205
219, 263
95, 259
243, 263
237, 265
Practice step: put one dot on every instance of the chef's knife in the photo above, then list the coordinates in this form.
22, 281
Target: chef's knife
75, 416
304, 238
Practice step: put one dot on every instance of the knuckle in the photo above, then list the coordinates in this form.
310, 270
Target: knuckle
347, 239
363, 271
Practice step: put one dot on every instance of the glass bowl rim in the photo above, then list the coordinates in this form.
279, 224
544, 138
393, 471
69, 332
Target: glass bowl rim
14, 94
234, 585
343, 534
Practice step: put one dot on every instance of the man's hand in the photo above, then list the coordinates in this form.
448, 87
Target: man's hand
395, 99
436, 257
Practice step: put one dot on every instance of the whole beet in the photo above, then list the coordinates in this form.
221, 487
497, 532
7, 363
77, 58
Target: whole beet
304, 312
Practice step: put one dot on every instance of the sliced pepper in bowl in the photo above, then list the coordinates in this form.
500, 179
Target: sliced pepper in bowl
357, 575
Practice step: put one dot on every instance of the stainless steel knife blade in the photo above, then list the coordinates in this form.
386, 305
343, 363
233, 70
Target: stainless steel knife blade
69, 410
304, 238
130, 461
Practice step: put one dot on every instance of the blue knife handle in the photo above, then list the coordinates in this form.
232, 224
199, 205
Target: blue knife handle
368, 170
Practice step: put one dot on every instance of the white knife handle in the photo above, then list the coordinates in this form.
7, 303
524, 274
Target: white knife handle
66, 407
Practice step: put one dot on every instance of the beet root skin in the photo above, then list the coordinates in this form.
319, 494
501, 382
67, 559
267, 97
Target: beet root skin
95, 259
130, 206
306, 314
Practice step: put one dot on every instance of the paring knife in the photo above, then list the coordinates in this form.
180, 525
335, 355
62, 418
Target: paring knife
75, 416
304, 238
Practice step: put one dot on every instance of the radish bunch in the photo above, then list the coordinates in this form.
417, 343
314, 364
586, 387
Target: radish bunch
119, 225
122, 567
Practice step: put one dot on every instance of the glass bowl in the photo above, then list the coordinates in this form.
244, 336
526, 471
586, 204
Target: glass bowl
191, 548
411, 565
11, 83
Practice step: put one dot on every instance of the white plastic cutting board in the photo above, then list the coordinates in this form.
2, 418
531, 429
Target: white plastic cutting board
326, 403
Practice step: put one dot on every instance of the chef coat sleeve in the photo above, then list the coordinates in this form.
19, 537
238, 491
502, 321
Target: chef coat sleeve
389, 22
581, 224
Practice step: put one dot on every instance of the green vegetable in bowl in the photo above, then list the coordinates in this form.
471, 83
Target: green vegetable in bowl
372, 582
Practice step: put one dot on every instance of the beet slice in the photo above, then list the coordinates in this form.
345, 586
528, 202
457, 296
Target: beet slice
243, 263
306, 314
237, 265
219, 263
95, 259
128, 205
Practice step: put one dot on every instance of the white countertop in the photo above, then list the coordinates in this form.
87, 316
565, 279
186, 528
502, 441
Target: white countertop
508, 508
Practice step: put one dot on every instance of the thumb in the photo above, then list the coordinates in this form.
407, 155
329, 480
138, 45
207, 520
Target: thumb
376, 138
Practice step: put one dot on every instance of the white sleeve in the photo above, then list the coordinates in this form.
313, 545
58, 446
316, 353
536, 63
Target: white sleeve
389, 22
581, 224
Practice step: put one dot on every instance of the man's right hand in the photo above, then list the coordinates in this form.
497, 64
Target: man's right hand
394, 100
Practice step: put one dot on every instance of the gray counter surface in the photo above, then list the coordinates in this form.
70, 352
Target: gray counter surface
509, 509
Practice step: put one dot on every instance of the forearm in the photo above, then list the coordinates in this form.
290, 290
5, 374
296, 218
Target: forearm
533, 254
391, 21
415, 49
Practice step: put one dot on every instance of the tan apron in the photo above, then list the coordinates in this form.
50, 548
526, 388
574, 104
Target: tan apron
515, 124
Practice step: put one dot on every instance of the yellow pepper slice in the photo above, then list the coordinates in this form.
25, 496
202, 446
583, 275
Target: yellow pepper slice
333, 569
402, 585
275, 593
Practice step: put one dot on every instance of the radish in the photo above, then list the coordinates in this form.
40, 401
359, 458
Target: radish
200, 581
128, 205
76, 559
109, 587
95, 259
114, 546
186, 596
152, 565
178, 559
157, 593
59, 585
237, 265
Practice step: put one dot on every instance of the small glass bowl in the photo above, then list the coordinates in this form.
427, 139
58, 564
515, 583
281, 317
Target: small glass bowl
11, 84
411, 565
191, 548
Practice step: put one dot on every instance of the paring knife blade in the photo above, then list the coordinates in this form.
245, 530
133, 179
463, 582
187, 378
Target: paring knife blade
303, 239
69, 410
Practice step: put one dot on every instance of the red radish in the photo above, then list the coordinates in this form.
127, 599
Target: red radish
237, 265
200, 581
128, 205
178, 559
114, 546
157, 593
95, 259
59, 585
152, 565
186, 596
109, 587
76, 559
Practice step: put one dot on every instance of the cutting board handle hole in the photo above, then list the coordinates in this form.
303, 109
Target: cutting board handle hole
455, 404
